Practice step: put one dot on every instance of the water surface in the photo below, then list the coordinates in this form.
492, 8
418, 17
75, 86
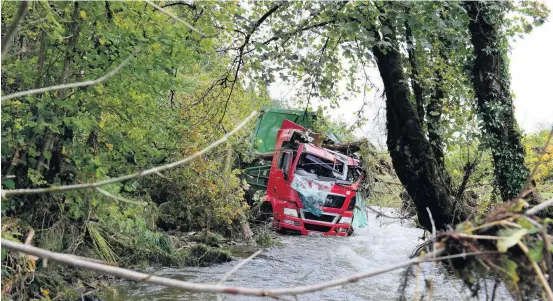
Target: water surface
305, 260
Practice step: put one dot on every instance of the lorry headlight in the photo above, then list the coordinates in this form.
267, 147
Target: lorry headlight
290, 212
345, 220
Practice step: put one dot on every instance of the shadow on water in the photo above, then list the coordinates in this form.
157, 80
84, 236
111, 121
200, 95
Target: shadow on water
306, 260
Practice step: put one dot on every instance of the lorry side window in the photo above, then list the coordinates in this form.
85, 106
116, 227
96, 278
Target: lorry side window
284, 161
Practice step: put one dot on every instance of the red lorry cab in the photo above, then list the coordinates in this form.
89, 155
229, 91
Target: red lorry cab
292, 158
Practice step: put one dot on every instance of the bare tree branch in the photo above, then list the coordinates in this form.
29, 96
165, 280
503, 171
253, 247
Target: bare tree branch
241, 54
18, 17
191, 6
539, 207
161, 9
216, 288
469, 169
155, 170
73, 85
119, 198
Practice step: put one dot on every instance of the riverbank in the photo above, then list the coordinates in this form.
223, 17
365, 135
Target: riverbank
27, 277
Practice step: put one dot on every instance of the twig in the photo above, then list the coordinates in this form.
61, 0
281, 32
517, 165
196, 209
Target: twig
431, 221
73, 85
539, 207
239, 58
490, 237
238, 266
161, 9
538, 271
30, 236
383, 214
6, 41
119, 198
495, 286
28, 241
498, 222
210, 288
155, 170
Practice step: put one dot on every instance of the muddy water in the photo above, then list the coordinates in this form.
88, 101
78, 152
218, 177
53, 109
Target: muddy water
306, 260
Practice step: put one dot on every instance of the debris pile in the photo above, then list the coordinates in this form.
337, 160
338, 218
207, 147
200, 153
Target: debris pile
509, 245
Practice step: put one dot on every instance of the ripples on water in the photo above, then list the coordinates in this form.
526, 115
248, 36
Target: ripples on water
305, 260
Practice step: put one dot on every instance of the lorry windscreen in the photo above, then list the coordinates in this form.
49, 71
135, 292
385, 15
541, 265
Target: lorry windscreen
318, 168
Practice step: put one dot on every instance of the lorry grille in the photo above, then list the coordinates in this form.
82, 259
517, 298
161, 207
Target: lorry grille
334, 201
318, 228
323, 218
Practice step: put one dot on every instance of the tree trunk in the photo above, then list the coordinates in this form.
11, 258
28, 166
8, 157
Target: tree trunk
434, 115
415, 80
411, 153
491, 83
438, 95
246, 230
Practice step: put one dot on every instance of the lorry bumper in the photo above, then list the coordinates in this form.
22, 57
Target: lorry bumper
295, 225
302, 226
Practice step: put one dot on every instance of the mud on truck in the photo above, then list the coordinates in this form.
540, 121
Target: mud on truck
309, 189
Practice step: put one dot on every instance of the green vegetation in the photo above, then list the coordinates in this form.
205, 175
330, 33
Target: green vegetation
155, 110
533, 143
176, 84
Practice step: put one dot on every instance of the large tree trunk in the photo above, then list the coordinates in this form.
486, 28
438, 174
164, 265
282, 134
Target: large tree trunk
415, 80
412, 156
494, 102
434, 111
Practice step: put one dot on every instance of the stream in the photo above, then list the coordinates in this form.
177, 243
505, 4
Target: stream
303, 260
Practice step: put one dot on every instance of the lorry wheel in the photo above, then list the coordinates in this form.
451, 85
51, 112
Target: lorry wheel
266, 211
350, 230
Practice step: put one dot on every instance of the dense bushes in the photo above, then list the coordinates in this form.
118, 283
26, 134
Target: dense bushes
171, 100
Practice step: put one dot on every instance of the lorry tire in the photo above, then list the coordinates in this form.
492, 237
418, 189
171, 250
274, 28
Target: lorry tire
350, 231
265, 211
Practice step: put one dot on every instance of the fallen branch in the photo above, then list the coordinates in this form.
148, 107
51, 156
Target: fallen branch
73, 85
216, 288
155, 170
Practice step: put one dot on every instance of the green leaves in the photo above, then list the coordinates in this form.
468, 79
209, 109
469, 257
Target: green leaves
509, 237
8, 183
510, 269
531, 228
164, 105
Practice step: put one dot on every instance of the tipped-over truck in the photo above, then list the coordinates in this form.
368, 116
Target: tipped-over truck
309, 189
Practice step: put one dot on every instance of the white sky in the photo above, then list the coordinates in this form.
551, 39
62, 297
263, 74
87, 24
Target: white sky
531, 81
